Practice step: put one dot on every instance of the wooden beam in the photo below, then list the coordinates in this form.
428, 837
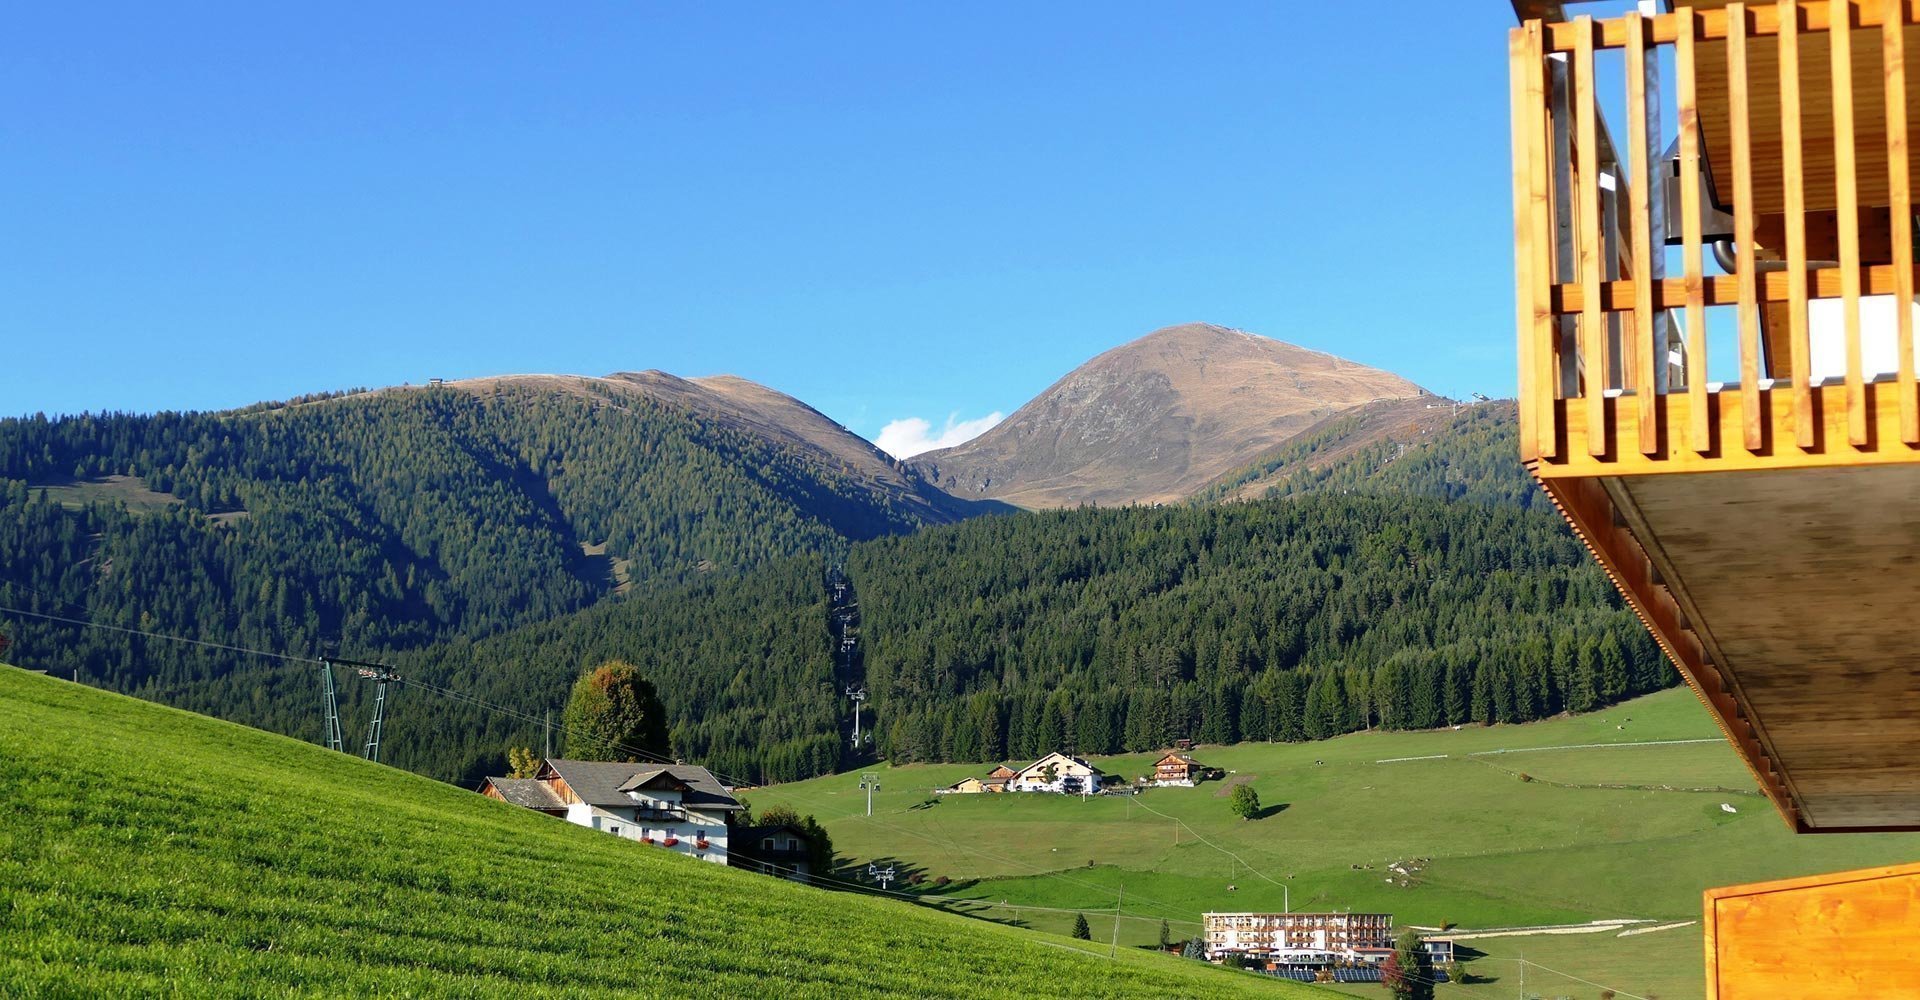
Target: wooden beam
1593, 321
1893, 57
1727, 413
1589, 509
1724, 289
1692, 261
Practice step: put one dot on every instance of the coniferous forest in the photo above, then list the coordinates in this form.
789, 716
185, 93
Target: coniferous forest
1403, 587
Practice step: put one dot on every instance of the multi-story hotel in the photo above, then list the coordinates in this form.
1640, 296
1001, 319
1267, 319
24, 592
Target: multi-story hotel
1305, 937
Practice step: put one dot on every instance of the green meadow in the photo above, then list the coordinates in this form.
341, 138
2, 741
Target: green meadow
146, 851
1550, 829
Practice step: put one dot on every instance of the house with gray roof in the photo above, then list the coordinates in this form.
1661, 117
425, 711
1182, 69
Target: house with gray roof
676, 807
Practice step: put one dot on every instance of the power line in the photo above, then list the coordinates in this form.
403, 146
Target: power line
158, 635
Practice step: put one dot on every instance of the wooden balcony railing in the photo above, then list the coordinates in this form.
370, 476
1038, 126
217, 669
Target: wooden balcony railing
1790, 157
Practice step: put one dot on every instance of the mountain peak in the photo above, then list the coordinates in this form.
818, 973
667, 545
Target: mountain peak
1157, 418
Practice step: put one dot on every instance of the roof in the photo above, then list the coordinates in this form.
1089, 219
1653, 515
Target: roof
659, 777
744, 834
1057, 755
529, 792
603, 783
1003, 771
1182, 758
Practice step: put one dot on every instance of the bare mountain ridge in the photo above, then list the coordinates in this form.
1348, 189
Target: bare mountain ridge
748, 406
1157, 420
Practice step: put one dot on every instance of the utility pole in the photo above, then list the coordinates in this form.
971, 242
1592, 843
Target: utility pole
859, 695
871, 782
546, 750
1114, 948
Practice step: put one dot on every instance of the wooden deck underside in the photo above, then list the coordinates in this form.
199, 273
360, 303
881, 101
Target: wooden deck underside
1791, 601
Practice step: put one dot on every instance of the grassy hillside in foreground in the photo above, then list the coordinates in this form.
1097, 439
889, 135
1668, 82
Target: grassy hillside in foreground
145, 850
1490, 848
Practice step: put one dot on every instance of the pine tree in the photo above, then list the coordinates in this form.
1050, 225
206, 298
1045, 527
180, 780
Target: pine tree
1080, 928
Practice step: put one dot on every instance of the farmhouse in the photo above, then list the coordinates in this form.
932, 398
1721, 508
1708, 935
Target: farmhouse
1179, 769
1058, 772
780, 850
679, 807
995, 781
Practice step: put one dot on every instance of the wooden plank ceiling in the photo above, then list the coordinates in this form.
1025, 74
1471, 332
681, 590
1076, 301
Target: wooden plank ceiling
1816, 116
1805, 587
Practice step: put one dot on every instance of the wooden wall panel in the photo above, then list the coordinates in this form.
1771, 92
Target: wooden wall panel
1848, 936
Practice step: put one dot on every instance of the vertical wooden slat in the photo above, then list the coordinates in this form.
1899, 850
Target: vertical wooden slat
1740, 129
1793, 179
1893, 57
1593, 320
1847, 206
1692, 261
1639, 187
1526, 118
1546, 326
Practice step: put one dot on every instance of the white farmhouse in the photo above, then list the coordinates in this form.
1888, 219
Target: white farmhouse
1058, 772
677, 807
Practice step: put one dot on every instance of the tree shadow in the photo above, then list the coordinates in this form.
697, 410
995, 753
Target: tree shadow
1272, 810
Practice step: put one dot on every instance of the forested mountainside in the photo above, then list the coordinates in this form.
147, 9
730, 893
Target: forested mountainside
1100, 629
393, 519
1380, 580
1420, 446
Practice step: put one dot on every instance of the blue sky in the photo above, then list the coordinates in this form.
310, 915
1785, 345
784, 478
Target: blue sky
891, 211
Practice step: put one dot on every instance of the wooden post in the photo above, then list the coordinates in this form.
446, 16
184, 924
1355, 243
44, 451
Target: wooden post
1793, 178
1593, 319
1639, 187
1741, 131
1900, 195
1847, 205
1540, 196
1692, 262
1526, 114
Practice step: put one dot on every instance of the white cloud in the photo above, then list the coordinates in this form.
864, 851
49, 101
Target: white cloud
909, 436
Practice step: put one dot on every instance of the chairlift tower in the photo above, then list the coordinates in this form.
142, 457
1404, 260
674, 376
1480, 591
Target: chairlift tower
859, 696
871, 782
330, 723
381, 676
379, 673
884, 876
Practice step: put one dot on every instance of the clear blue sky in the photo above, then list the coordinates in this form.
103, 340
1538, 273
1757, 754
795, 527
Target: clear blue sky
889, 211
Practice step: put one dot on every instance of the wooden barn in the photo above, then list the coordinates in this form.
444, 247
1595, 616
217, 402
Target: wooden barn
1736, 437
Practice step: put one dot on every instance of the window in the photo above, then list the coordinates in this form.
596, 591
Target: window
613, 829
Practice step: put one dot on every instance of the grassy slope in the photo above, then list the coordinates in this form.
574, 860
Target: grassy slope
1504, 851
145, 850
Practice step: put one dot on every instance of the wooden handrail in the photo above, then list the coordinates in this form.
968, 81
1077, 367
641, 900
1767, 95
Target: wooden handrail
1815, 15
